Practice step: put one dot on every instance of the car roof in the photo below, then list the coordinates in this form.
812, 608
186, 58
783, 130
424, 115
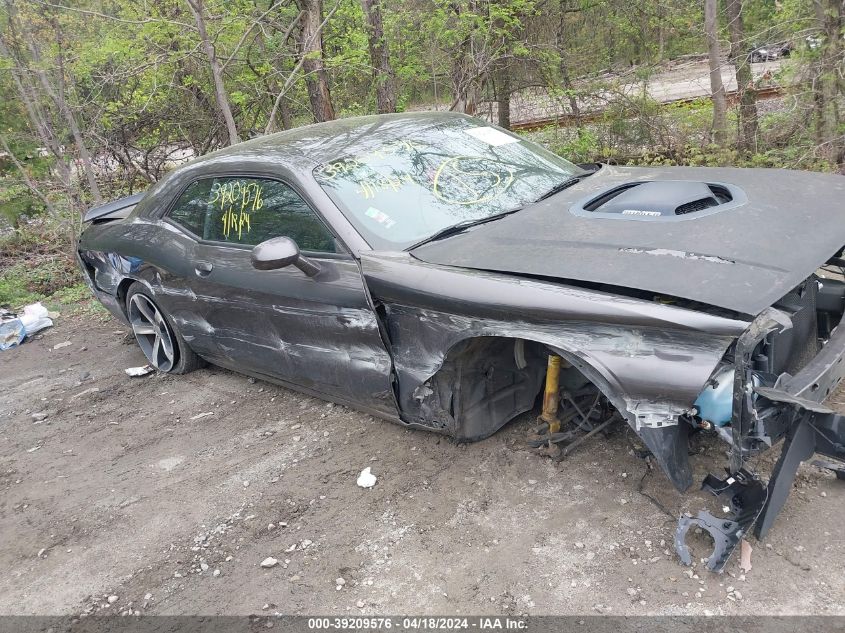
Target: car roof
301, 149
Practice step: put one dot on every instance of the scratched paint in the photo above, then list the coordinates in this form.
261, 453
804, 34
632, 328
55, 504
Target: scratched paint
679, 254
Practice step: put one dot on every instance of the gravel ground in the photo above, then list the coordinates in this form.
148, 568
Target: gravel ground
165, 494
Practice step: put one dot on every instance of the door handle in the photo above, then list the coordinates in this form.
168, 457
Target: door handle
203, 268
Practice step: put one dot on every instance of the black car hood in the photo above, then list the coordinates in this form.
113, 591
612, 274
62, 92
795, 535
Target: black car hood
743, 255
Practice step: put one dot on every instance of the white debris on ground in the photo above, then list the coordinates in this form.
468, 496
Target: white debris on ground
136, 372
745, 556
14, 328
269, 562
366, 479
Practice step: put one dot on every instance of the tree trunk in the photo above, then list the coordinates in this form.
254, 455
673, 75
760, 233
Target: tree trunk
311, 52
198, 9
457, 79
56, 94
84, 156
465, 97
740, 58
563, 66
37, 118
720, 104
383, 75
502, 83
465, 75
661, 31
828, 84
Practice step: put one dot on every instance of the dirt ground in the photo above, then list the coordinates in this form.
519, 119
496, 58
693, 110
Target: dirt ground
133, 492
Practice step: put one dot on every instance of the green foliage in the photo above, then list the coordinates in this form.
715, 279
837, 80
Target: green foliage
17, 201
584, 146
26, 282
715, 156
32, 268
14, 291
75, 299
642, 133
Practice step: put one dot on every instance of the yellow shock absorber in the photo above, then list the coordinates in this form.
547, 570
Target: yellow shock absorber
551, 394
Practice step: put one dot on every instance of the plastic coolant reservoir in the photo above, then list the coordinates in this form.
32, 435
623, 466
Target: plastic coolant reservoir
715, 403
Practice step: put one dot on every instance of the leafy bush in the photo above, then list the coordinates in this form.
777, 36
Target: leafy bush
582, 147
16, 202
798, 157
13, 290
35, 278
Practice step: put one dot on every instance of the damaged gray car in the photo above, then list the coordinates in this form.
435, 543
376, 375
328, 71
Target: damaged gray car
445, 274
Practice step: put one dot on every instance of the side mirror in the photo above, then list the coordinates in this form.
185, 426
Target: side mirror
280, 252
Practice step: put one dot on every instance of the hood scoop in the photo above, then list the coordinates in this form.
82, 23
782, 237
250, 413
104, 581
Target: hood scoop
660, 200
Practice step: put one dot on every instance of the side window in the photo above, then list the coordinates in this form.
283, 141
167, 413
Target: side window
249, 211
191, 208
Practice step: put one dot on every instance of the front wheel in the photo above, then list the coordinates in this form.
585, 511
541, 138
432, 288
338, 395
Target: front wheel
163, 346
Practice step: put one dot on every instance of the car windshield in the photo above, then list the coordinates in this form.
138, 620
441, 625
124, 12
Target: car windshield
406, 183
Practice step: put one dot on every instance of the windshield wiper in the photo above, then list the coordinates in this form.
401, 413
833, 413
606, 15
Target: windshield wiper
560, 187
460, 227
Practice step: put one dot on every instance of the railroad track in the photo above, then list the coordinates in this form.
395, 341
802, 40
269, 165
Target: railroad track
568, 119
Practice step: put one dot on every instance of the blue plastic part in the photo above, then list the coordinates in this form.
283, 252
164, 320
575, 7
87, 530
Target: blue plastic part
12, 333
715, 403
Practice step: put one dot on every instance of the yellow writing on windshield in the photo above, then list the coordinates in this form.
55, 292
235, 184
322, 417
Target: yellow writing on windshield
369, 187
337, 168
237, 200
365, 171
468, 180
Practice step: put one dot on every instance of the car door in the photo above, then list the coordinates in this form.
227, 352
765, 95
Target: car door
318, 332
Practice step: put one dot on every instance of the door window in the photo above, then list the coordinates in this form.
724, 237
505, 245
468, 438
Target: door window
248, 211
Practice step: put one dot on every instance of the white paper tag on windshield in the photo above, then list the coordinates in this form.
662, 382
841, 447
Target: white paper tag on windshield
491, 136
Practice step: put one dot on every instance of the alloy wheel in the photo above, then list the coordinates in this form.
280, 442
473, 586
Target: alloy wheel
152, 332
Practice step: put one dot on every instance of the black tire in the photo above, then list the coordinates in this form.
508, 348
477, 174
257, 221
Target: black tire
156, 335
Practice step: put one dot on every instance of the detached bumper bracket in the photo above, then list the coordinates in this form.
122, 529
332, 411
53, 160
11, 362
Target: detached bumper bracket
746, 496
813, 429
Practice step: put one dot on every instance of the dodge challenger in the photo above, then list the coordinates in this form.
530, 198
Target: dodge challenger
442, 273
